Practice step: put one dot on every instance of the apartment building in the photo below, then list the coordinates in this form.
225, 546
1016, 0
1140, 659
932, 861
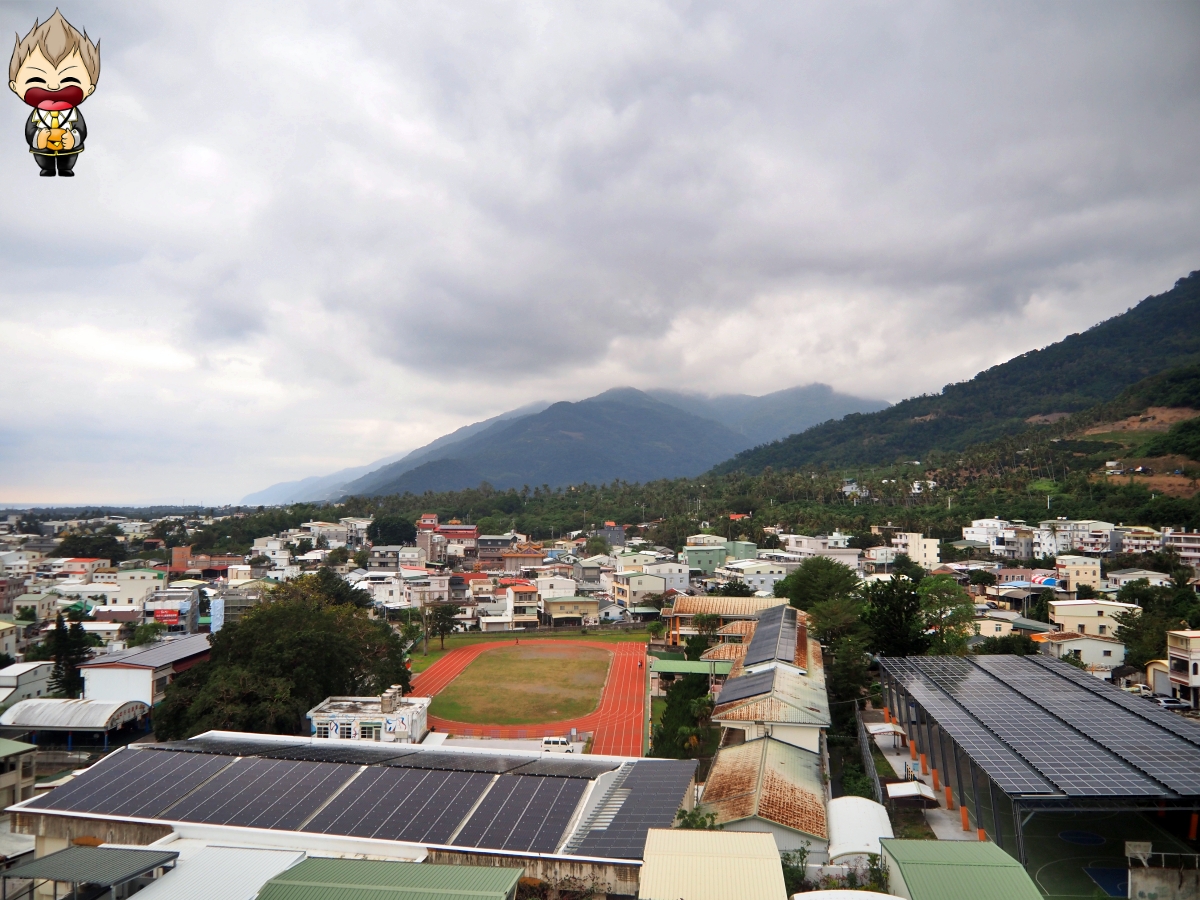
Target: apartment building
391, 558
924, 551
673, 574
628, 588
759, 574
1075, 571
1186, 544
1096, 617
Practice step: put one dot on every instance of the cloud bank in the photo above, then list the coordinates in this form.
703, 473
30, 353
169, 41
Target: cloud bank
307, 235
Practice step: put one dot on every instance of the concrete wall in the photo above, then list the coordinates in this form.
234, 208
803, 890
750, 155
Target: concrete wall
1164, 884
609, 878
118, 685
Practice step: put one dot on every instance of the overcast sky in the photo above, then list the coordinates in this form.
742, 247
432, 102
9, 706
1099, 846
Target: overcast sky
305, 236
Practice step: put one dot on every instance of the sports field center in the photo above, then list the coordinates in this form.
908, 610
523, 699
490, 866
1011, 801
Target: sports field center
523, 684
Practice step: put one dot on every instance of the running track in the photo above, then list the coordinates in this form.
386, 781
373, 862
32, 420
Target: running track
617, 724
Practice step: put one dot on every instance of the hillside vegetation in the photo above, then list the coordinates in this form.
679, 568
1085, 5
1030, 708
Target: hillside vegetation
1070, 376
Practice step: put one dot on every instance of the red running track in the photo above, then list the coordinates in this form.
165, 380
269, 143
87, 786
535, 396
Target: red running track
617, 725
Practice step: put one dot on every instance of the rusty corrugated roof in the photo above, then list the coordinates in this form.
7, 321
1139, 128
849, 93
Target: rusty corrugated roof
687, 605
771, 780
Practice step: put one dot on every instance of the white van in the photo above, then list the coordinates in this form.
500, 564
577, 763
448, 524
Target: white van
556, 745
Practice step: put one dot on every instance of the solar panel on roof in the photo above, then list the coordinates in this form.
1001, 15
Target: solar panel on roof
745, 686
133, 783
222, 746
565, 767
523, 813
263, 793
649, 796
1076, 765
391, 803
774, 637
461, 762
364, 754
1159, 753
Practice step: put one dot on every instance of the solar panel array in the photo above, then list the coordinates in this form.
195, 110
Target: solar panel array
1164, 756
774, 636
1079, 767
746, 686
134, 783
524, 812
220, 745
395, 804
1011, 773
1187, 729
654, 790
461, 762
565, 767
263, 793
360, 754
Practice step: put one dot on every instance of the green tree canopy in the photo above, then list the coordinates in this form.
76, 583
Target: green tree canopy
816, 580
894, 618
391, 530
735, 589
948, 613
442, 622
325, 585
1013, 644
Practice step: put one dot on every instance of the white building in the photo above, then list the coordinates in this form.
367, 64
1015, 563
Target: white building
1122, 577
1100, 654
760, 574
1186, 544
555, 586
1089, 617
389, 718
25, 680
673, 574
924, 551
1183, 664
141, 673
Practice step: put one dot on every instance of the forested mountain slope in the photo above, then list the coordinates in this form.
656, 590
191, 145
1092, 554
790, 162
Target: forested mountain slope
1076, 373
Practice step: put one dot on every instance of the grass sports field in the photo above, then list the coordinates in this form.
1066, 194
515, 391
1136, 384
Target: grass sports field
421, 662
525, 684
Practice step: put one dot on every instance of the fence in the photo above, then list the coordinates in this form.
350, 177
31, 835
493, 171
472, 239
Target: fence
868, 759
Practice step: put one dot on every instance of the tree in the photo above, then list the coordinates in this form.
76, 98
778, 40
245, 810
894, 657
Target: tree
260, 560
656, 629
71, 648
1039, 609
735, 589
442, 622
147, 633
391, 530
702, 709
706, 624
338, 556
893, 618
326, 585
948, 613
1161, 609
597, 546
982, 576
1013, 644
279, 660
104, 544
694, 646
836, 618
672, 737
6, 660
846, 674
27, 614
1085, 592
816, 580
695, 820
905, 566
362, 559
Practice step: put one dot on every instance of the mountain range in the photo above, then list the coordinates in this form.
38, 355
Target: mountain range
621, 434
1078, 372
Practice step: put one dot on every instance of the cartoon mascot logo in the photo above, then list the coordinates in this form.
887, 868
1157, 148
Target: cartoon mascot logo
54, 68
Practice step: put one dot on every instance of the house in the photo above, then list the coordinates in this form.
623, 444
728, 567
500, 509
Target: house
555, 587
704, 559
24, 680
141, 673
490, 547
834, 546
629, 588
1074, 571
570, 610
679, 616
674, 574
44, 606
1186, 544
521, 604
923, 551
768, 785
17, 771
710, 865
388, 718
786, 705
1089, 616
390, 558
589, 569
523, 555
1183, 665
634, 562
613, 533
1099, 654
1140, 539
760, 574
1121, 577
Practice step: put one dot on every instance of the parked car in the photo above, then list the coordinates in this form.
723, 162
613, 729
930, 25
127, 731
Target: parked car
556, 745
1172, 703
1139, 690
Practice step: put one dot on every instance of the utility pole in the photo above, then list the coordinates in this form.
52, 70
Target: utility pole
425, 626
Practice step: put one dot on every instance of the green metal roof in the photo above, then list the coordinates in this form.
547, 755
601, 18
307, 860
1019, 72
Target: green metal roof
11, 748
104, 866
939, 870
691, 666
366, 879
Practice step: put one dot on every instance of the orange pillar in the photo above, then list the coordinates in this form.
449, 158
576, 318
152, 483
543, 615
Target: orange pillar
982, 835
966, 824
936, 787
1192, 826
912, 749
924, 765
949, 798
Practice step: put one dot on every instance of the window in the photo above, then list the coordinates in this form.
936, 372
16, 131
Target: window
1103, 628
1108, 653
1099, 612
369, 732
1196, 668
999, 628
1082, 628
323, 731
